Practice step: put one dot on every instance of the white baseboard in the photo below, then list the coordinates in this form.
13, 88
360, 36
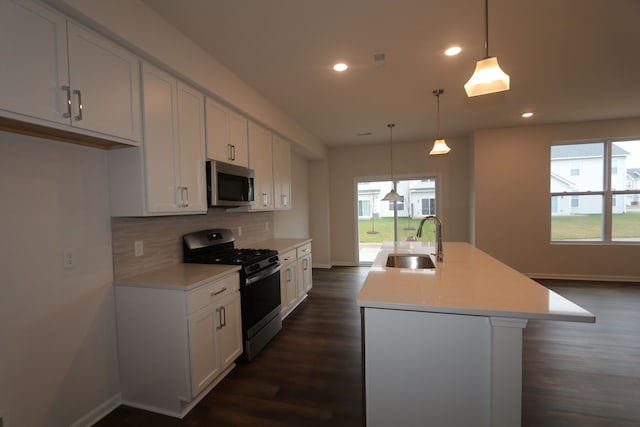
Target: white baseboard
99, 412
325, 266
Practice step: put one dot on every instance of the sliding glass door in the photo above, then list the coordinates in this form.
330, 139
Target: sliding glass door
378, 218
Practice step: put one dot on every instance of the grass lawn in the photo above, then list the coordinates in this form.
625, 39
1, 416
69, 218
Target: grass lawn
383, 228
625, 226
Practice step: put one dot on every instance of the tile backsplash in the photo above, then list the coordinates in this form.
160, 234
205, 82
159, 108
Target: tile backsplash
162, 236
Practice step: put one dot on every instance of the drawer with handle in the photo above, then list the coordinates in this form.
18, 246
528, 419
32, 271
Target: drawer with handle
206, 294
304, 250
288, 256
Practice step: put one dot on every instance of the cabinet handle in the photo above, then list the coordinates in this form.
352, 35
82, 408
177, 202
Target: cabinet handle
233, 152
219, 313
305, 263
229, 152
218, 292
224, 316
186, 198
68, 113
288, 274
265, 199
285, 200
79, 94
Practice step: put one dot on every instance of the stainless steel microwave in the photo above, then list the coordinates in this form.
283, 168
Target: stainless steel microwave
229, 185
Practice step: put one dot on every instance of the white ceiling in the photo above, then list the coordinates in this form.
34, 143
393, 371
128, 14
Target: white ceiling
569, 60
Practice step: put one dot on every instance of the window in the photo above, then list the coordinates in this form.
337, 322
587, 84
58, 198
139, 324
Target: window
364, 208
595, 191
399, 205
575, 168
428, 206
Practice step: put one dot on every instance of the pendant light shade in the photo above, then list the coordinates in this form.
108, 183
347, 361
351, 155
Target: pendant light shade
392, 196
439, 145
488, 77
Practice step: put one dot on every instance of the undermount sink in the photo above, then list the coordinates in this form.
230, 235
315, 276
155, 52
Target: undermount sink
411, 261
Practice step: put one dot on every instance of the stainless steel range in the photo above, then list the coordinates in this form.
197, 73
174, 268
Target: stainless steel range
259, 282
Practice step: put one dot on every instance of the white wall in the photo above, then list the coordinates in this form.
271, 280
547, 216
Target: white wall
294, 223
410, 160
319, 215
512, 204
58, 358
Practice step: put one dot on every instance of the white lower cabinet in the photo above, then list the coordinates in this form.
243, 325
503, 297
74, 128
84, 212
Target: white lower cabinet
305, 279
288, 282
295, 277
175, 345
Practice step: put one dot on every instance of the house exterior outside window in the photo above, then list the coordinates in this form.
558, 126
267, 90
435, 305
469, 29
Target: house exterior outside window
594, 197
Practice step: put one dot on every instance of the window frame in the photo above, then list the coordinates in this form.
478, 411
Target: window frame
607, 193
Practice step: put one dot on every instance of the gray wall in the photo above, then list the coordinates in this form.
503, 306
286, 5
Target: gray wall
58, 357
346, 165
512, 205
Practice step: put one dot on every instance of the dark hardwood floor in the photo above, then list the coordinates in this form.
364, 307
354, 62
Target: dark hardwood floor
310, 374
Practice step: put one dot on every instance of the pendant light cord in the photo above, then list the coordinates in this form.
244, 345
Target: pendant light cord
486, 28
437, 94
391, 126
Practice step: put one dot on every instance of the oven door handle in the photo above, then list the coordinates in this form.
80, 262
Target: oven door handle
262, 274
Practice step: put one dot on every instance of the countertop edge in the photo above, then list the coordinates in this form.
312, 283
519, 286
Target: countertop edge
196, 275
461, 311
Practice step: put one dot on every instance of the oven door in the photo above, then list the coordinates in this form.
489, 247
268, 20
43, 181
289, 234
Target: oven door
260, 300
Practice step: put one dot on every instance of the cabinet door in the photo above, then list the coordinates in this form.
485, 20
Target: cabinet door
260, 160
34, 71
160, 118
230, 330
191, 149
217, 119
227, 139
239, 139
304, 275
105, 83
288, 291
203, 347
281, 173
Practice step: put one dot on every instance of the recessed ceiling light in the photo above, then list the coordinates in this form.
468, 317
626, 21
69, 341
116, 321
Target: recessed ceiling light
453, 51
340, 66
527, 115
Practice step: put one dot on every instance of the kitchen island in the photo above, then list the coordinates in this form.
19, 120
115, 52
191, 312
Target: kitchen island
443, 346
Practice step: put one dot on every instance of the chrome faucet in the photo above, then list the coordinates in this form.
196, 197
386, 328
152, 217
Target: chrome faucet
436, 220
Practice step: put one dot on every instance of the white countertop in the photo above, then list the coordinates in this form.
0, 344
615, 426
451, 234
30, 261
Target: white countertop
468, 281
180, 276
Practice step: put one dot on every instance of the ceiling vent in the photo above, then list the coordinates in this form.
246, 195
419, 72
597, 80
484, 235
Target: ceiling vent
378, 58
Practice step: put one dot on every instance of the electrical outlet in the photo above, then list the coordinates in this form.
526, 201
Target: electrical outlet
239, 231
68, 258
138, 248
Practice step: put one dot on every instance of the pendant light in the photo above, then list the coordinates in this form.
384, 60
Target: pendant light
487, 77
392, 196
439, 145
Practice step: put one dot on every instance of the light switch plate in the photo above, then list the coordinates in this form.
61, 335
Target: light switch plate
138, 248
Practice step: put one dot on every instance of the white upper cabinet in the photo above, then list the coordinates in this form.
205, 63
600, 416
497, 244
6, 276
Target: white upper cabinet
260, 160
174, 144
33, 48
281, 173
105, 85
167, 176
59, 75
227, 138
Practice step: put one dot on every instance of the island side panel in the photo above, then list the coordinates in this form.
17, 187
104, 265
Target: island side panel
425, 367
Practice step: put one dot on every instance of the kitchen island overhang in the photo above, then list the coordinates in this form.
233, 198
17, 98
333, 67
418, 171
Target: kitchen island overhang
445, 344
